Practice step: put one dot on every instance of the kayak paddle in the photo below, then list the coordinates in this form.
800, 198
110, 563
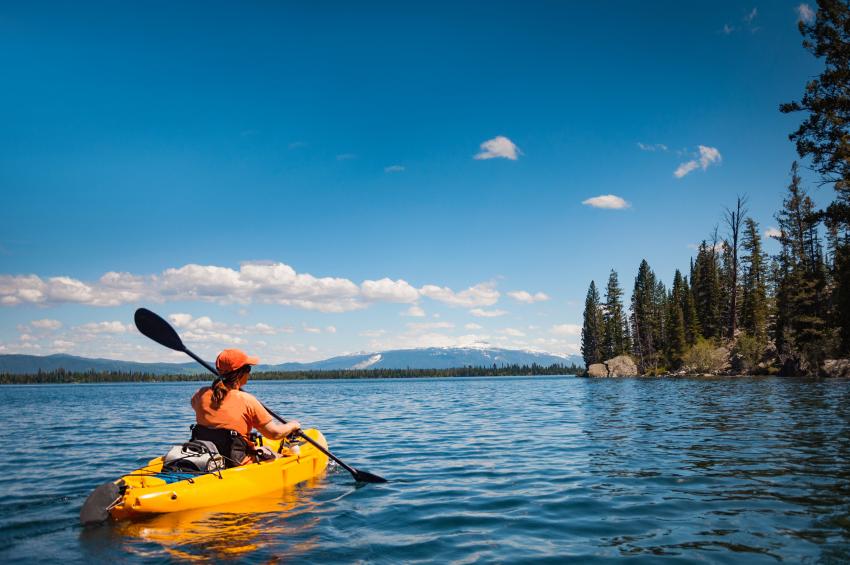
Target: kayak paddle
157, 329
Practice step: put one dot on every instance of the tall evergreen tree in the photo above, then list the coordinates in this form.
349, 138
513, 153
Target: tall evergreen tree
754, 306
615, 338
706, 288
802, 303
591, 331
676, 341
689, 309
647, 319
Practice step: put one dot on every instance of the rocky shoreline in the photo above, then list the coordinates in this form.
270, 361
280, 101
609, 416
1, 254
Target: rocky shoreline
625, 366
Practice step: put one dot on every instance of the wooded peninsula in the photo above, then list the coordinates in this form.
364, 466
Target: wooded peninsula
736, 309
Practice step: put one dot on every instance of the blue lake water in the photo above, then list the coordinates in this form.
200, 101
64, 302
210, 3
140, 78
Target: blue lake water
486, 470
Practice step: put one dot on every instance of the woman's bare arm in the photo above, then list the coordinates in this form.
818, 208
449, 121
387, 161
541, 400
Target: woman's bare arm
277, 430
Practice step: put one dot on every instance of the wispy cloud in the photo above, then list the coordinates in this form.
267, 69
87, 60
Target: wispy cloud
652, 146
414, 311
565, 329
707, 156
528, 298
483, 294
472, 326
513, 332
727, 29
394, 169
772, 232
606, 201
751, 15
46, 324
297, 144
346, 156
805, 13
499, 147
481, 313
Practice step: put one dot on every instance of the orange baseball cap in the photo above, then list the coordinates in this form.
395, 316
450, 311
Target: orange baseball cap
230, 360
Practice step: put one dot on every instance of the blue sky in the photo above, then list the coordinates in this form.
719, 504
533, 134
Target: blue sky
310, 179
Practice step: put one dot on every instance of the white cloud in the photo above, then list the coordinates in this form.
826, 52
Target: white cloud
481, 313
373, 333
727, 29
46, 324
607, 201
566, 329
310, 329
394, 169
346, 156
805, 13
472, 326
114, 327
772, 232
387, 290
513, 332
528, 298
751, 16
707, 156
652, 146
414, 311
251, 283
499, 147
330, 329
425, 326
482, 294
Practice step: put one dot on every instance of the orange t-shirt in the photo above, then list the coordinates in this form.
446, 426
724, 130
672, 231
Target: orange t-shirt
238, 411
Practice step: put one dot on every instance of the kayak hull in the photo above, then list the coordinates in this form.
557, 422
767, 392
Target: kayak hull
145, 494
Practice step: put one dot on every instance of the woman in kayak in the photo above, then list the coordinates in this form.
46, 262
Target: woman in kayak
224, 406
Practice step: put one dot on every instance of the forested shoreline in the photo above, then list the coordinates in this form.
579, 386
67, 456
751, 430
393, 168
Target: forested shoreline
68, 377
736, 309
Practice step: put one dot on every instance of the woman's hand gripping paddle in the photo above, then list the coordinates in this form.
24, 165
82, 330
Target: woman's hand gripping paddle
154, 327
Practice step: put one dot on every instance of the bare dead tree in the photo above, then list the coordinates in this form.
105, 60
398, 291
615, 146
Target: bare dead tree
734, 219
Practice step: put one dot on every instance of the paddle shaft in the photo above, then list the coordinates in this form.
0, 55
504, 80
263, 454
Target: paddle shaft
301, 434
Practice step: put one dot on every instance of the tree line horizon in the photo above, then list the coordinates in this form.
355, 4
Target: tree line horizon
739, 309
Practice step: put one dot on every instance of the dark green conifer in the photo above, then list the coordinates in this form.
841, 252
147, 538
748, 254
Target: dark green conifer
615, 338
591, 331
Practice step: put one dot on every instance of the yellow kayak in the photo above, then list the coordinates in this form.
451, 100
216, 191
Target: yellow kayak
149, 491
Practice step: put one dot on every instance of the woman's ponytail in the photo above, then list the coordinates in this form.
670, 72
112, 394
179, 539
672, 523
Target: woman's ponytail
222, 385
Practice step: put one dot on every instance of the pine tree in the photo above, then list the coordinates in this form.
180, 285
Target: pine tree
615, 339
754, 306
647, 319
591, 331
801, 333
706, 288
692, 333
676, 341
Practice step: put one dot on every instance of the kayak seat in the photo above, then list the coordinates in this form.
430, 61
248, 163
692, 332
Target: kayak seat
230, 443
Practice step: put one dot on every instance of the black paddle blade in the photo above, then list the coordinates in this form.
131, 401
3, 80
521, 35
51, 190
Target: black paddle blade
154, 327
366, 477
97, 505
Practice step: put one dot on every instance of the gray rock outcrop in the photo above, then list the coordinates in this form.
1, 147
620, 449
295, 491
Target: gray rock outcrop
621, 366
837, 367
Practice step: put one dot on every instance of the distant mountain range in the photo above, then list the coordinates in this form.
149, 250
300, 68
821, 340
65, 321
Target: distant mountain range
428, 358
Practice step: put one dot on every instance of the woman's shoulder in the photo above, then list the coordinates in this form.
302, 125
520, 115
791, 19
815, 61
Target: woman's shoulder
246, 396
